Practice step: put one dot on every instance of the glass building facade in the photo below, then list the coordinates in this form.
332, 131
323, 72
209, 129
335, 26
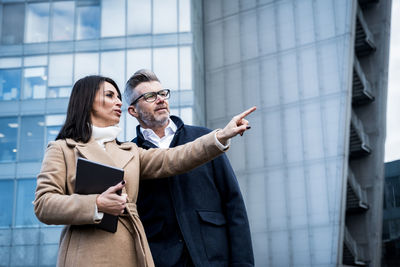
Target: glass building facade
299, 61
45, 46
391, 215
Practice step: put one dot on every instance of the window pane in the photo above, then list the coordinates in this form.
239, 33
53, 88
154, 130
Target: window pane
55, 120
37, 25
6, 200
24, 210
31, 139
86, 64
113, 66
137, 59
88, 21
35, 61
60, 70
139, 17
58, 92
35, 83
53, 124
13, 24
10, 84
184, 16
63, 21
185, 67
8, 138
187, 115
166, 66
113, 18
10, 62
164, 16
52, 133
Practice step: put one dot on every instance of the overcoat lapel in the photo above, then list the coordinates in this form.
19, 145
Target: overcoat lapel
114, 155
92, 151
121, 154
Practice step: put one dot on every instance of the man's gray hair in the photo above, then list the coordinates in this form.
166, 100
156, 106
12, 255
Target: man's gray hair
143, 75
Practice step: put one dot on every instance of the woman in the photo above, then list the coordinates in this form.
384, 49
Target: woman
90, 132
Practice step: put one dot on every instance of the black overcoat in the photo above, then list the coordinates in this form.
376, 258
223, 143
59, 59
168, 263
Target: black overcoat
201, 211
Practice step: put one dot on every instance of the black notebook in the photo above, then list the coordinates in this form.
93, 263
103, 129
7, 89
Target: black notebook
95, 178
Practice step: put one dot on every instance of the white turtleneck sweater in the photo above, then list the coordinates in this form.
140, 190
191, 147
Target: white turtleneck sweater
103, 135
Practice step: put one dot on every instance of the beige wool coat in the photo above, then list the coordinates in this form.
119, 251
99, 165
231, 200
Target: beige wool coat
81, 243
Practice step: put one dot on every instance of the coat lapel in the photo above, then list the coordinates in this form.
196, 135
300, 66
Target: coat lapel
120, 154
114, 155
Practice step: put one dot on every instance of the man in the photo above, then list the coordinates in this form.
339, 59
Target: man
193, 219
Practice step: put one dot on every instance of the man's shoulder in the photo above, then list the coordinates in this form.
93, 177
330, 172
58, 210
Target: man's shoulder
196, 130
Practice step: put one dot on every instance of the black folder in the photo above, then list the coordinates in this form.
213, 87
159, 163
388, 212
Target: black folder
95, 178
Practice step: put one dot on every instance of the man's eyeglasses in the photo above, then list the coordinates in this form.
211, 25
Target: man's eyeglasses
152, 96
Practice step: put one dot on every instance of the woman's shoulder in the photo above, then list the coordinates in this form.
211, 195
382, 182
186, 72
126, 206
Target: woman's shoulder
127, 145
63, 144
57, 143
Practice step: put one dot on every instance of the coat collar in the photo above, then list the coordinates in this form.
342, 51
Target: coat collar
114, 155
141, 142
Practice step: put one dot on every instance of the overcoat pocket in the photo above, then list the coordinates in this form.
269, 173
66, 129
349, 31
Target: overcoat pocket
214, 235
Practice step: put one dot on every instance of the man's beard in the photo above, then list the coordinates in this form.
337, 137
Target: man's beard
150, 121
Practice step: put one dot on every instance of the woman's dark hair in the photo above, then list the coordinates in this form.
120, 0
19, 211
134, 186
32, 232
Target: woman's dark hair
78, 124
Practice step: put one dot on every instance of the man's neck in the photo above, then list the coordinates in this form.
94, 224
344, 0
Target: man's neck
159, 131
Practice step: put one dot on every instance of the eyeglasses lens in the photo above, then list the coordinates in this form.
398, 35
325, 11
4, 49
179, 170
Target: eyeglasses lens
152, 96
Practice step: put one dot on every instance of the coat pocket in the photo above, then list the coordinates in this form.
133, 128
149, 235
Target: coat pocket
214, 235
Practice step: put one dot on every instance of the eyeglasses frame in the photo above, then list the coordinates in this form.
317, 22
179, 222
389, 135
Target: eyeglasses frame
158, 94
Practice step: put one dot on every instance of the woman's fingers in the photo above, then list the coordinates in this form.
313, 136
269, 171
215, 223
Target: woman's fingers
110, 202
238, 125
116, 188
245, 113
242, 123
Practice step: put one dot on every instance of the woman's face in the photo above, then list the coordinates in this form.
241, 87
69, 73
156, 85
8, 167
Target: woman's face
106, 109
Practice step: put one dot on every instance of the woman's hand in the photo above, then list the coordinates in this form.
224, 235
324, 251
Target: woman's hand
110, 202
238, 125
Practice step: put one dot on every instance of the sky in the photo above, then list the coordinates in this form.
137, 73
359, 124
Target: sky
392, 145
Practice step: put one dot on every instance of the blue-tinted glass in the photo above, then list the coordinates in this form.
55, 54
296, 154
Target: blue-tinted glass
113, 18
35, 83
31, 138
165, 16
24, 210
139, 17
52, 133
13, 23
86, 64
184, 16
60, 70
63, 21
88, 24
10, 84
56, 92
37, 26
48, 254
8, 139
6, 202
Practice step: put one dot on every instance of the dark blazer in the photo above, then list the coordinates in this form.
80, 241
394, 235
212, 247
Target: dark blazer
201, 211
